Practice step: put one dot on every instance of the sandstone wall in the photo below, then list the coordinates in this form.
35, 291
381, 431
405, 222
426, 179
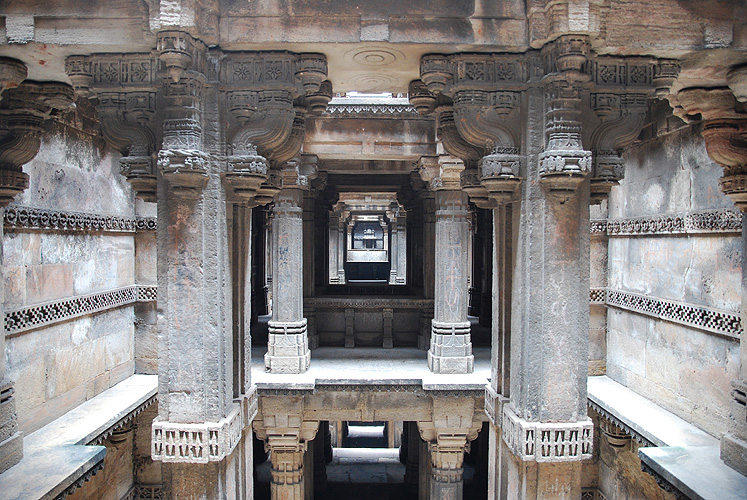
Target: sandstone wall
59, 366
684, 369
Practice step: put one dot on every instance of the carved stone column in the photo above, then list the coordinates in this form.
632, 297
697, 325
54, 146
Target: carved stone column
725, 134
335, 248
286, 436
23, 109
288, 349
545, 424
451, 345
448, 437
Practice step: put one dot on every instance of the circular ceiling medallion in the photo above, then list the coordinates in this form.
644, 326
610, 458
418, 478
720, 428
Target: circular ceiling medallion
373, 82
374, 56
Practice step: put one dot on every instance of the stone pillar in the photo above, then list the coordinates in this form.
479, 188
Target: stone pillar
411, 447
334, 247
401, 248
546, 425
725, 134
24, 107
286, 436
320, 459
288, 349
451, 346
447, 438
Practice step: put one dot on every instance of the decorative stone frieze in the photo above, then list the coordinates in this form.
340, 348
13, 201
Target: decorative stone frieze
16, 217
23, 110
125, 422
197, 443
38, 315
547, 441
724, 323
722, 221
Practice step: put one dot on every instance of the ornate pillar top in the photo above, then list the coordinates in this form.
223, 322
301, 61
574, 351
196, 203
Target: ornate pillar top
441, 172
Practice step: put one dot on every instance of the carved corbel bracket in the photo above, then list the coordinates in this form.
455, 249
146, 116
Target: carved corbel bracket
12, 73
125, 87
441, 172
725, 134
478, 194
23, 110
317, 101
179, 52
499, 174
421, 98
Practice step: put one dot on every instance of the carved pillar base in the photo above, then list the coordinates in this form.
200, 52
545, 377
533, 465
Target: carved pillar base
451, 348
287, 347
11, 440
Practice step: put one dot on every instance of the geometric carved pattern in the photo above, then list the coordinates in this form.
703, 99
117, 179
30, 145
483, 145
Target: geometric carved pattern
547, 441
372, 109
19, 217
597, 295
611, 418
35, 316
78, 483
148, 491
197, 443
122, 422
724, 323
706, 221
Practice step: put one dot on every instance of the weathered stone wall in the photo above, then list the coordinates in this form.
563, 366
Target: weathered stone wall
59, 366
684, 369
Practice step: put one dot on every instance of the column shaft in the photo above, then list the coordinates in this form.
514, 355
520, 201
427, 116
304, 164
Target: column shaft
288, 350
451, 346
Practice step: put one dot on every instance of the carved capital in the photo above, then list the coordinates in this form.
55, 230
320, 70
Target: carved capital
178, 51
246, 173
421, 98
441, 172
23, 110
12, 73
725, 134
184, 170
311, 70
499, 174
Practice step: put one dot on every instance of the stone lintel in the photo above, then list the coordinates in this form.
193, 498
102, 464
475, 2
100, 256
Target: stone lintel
197, 443
547, 441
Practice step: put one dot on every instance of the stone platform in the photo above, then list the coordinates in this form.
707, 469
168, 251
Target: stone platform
56, 460
332, 366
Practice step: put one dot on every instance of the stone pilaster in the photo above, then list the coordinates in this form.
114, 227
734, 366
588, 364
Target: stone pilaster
725, 134
23, 109
288, 349
451, 346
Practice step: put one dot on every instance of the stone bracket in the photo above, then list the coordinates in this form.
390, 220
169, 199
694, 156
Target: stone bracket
547, 441
198, 443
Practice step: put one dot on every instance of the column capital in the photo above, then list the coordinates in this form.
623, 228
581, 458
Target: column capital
12, 72
441, 172
23, 110
725, 134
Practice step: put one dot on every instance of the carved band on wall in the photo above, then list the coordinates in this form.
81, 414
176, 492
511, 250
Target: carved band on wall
706, 221
20, 217
725, 323
547, 441
31, 317
372, 109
